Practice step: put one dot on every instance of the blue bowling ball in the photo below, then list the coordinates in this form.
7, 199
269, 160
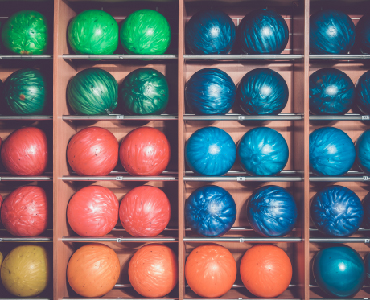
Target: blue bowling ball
210, 151
263, 92
332, 152
363, 34
272, 211
210, 91
363, 151
363, 93
331, 32
332, 92
210, 211
263, 152
337, 211
210, 32
263, 32
339, 271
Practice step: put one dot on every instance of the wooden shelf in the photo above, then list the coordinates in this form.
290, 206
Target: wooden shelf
120, 57
25, 57
241, 57
26, 118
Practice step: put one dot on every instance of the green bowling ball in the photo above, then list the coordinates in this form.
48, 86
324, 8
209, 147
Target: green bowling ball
25, 32
93, 32
145, 32
144, 92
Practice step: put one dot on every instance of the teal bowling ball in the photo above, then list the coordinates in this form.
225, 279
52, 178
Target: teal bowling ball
339, 271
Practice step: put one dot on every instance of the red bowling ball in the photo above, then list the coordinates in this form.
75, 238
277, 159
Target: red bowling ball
93, 151
24, 212
145, 151
145, 211
93, 211
25, 152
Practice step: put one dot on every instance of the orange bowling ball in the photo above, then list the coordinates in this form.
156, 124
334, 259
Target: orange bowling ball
93, 270
266, 270
210, 270
153, 271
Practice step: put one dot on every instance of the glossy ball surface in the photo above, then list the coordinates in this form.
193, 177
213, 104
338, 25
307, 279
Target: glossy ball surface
363, 34
153, 271
331, 92
210, 270
263, 152
263, 91
25, 152
272, 211
210, 91
210, 151
210, 32
144, 92
337, 211
93, 211
210, 211
93, 32
331, 32
363, 93
93, 270
263, 32
26, 271
145, 151
145, 211
25, 211
92, 91
332, 152
93, 151
339, 271
25, 92
363, 151
266, 270
26, 32
145, 32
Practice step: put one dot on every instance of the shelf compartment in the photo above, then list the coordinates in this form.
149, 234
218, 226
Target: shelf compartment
118, 117
236, 176
26, 298
119, 178
26, 239
26, 118
346, 178
345, 117
119, 239
351, 57
239, 117
244, 239
26, 178
26, 57
120, 57
115, 298
341, 240
239, 57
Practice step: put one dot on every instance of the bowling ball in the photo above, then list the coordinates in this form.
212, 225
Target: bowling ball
339, 271
266, 270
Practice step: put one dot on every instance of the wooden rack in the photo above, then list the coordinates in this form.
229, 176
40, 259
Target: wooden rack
295, 64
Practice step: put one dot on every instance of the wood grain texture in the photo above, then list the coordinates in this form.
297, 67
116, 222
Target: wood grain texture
181, 144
